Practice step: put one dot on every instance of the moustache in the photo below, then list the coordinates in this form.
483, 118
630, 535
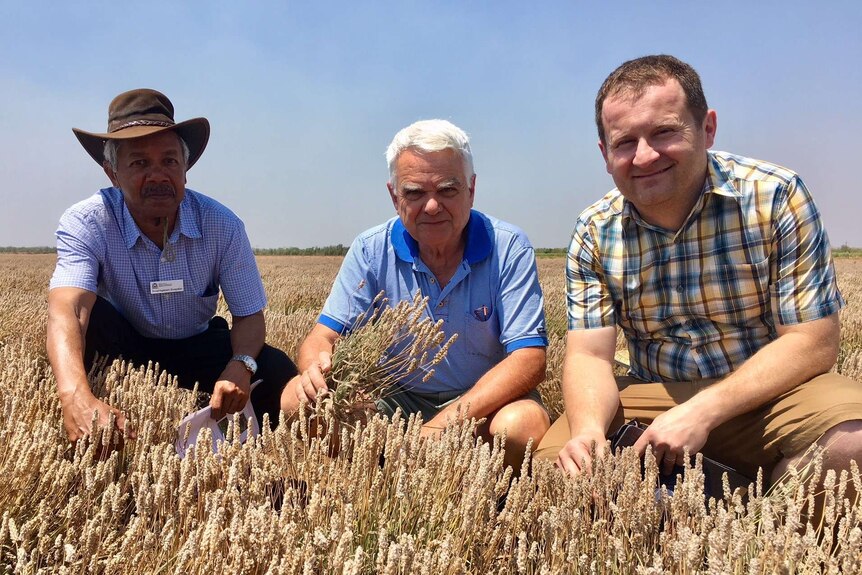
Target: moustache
158, 189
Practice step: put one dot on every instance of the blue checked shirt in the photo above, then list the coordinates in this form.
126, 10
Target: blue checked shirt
698, 302
493, 301
102, 250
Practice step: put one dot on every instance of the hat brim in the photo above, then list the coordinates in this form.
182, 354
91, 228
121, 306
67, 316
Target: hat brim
195, 133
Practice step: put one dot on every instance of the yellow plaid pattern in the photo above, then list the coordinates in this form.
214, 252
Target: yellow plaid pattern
698, 302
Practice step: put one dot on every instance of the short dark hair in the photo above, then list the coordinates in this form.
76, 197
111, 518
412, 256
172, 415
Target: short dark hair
635, 76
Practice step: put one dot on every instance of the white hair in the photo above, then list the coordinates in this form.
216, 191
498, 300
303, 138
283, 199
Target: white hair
430, 136
110, 152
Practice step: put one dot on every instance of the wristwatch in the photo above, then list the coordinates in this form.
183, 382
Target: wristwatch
247, 360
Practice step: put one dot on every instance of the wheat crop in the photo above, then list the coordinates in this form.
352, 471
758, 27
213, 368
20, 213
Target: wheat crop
389, 501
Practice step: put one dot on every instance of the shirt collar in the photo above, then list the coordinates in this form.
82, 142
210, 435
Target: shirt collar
478, 247
189, 225
718, 181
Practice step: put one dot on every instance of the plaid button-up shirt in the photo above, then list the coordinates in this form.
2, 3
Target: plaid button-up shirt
698, 302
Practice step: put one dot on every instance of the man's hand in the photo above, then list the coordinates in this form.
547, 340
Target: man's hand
314, 359
681, 427
311, 384
576, 456
231, 391
68, 318
78, 410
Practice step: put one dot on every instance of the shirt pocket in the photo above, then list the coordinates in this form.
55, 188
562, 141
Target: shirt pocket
482, 338
642, 310
736, 293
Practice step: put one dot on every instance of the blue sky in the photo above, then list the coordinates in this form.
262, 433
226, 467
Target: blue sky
303, 99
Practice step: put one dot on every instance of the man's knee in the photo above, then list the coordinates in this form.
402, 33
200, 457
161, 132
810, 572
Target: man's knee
843, 442
521, 420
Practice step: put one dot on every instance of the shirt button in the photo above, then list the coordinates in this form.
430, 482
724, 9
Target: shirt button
679, 288
440, 304
432, 280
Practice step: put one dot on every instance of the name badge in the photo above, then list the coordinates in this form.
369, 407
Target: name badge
168, 286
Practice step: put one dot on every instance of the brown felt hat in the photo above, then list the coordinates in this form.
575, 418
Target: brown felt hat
142, 112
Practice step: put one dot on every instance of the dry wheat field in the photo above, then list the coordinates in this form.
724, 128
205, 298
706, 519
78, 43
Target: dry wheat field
387, 501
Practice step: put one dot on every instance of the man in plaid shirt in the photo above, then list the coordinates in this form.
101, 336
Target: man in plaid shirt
718, 270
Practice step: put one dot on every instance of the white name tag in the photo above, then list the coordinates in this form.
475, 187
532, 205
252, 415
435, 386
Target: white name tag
167, 286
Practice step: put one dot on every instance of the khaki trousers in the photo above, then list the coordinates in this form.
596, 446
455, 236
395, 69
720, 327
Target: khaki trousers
760, 438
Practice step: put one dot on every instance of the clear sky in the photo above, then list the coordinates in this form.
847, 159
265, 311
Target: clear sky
304, 97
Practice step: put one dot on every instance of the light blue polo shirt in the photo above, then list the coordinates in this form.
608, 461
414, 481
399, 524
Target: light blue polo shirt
101, 249
493, 302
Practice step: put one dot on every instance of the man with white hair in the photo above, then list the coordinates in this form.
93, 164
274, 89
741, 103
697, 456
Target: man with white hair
480, 277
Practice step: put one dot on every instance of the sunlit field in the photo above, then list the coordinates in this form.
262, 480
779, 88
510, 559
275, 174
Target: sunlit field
386, 501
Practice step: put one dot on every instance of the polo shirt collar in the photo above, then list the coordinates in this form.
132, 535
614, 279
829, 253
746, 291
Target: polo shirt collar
478, 247
189, 225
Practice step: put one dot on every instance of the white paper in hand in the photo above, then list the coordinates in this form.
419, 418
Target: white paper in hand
192, 425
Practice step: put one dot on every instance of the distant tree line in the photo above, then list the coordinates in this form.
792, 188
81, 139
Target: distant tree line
845, 251
30, 250
550, 252
336, 250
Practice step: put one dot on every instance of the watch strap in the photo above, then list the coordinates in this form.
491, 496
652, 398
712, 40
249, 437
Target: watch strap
247, 360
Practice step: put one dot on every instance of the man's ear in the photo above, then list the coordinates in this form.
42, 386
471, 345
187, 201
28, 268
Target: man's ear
392, 195
112, 175
604, 152
710, 127
472, 189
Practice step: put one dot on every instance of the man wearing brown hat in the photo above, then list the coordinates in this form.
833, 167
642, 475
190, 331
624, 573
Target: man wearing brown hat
140, 266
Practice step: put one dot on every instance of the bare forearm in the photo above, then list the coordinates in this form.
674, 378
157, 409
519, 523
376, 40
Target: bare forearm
65, 352
590, 394
68, 318
248, 334
67, 325
589, 388
314, 362
799, 354
315, 343
515, 376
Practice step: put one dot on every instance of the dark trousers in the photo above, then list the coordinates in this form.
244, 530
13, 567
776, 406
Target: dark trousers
200, 358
